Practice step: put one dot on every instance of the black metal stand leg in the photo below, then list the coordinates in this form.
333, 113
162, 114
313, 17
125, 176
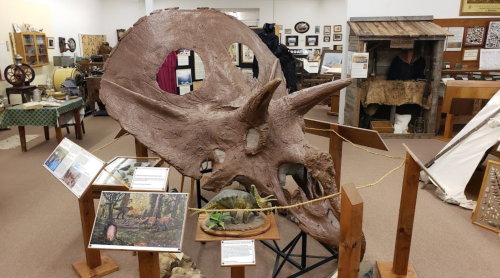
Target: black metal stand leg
200, 198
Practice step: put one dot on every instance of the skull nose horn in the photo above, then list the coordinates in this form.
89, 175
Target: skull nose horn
255, 110
304, 100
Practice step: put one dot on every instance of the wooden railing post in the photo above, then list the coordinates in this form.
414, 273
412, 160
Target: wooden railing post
351, 220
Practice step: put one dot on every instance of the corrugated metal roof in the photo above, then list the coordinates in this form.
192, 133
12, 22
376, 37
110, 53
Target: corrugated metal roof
386, 29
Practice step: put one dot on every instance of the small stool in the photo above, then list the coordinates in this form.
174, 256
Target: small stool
24, 91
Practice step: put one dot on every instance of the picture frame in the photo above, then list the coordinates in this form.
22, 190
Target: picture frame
486, 213
234, 52
316, 29
470, 54
479, 7
312, 40
150, 221
183, 77
338, 47
120, 33
123, 167
292, 40
337, 28
337, 37
280, 27
327, 30
329, 58
326, 39
301, 27
247, 55
493, 36
51, 43
474, 36
288, 31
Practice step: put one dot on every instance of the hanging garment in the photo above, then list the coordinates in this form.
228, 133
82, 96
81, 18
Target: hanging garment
271, 40
401, 70
287, 62
166, 74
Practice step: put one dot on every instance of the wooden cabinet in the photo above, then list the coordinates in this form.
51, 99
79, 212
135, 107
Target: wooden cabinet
33, 47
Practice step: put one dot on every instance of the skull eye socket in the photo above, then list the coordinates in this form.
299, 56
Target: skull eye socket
184, 80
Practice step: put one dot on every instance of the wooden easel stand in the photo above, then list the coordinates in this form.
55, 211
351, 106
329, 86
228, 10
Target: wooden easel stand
149, 264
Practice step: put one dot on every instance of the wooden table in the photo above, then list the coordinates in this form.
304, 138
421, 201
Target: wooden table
46, 116
236, 271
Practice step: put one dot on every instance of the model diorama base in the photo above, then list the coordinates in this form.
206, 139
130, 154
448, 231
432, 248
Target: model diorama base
384, 270
107, 266
231, 231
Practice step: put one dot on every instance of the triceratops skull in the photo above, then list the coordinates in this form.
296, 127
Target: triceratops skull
251, 130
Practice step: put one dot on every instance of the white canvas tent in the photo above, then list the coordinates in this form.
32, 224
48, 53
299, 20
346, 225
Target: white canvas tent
453, 170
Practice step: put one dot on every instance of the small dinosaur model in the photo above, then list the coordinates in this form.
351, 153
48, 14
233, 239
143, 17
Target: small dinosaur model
237, 199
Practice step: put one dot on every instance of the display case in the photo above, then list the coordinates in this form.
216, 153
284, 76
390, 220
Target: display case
32, 46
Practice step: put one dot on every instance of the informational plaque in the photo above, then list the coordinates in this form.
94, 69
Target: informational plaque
73, 166
359, 67
150, 179
237, 252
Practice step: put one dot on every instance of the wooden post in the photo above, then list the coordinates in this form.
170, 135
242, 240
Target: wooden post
78, 124
400, 267
335, 151
351, 233
140, 149
94, 265
237, 272
406, 216
149, 264
46, 132
22, 138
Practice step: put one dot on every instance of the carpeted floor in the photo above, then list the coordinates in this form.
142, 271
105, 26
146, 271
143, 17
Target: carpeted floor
40, 232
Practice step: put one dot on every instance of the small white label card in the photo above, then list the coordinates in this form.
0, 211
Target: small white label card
237, 252
150, 178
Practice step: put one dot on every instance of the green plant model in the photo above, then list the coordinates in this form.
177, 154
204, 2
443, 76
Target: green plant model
217, 219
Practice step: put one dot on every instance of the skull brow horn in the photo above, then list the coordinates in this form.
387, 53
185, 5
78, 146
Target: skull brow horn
255, 110
304, 100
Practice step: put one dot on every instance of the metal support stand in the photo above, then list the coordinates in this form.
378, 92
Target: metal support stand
200, 198
286, 253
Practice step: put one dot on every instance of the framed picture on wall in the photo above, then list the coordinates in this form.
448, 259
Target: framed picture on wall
337, 28
184, 77
326, 39
50, 42
316, 29
292, 40
337, 37
288, 31
246, 54
327, 30
474, 36
471, 54
479, 7
311, 40
120, 33
337, 47
486, 212
234, 51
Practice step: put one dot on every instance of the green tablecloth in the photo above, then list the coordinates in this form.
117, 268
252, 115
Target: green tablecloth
47, 116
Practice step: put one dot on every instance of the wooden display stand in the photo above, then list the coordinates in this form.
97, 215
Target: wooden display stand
24, 91
400, 267
236, 270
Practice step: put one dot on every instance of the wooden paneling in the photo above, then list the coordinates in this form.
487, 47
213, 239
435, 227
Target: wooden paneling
456, 56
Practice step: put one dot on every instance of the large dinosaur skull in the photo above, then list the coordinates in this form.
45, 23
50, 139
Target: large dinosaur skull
251, 130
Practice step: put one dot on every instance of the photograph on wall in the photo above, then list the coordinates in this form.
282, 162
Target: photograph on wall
326, 39
234, 51
337, 47
50, 42
311, 40
292, 40
280, 27
73, 166
337, 28
487, 211
184, 77
493, 37
337, 37
316, 29
140, 221
297, 51
288, 31
184, 52
246, 54
327, 30
480, 7
330, 58
120, 33
123, 167
474, 36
